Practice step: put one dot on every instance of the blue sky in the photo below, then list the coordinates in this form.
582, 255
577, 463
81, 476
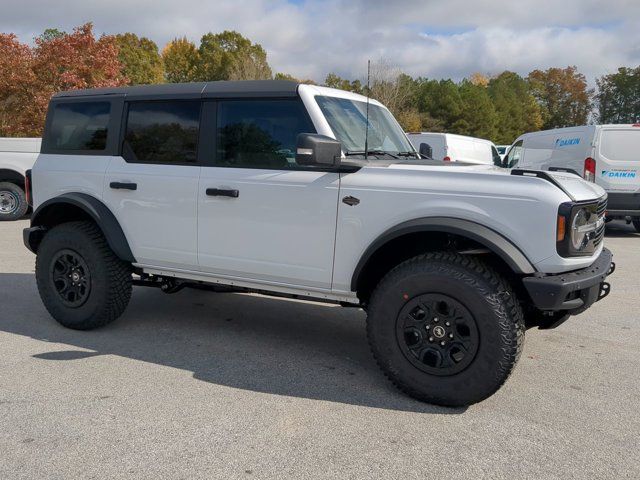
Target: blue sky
431, 38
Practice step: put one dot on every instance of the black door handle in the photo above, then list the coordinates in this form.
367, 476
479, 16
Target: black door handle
123, 186
218, 192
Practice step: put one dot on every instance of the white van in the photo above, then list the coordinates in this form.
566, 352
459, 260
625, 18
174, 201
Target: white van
455, 148
608, 155
17, 155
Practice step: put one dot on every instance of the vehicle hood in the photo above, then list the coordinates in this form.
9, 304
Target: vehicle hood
576, 188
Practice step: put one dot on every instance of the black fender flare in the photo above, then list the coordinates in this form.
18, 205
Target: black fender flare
491, 239
95, 209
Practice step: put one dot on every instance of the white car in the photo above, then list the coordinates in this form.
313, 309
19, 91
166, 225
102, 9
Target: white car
449, 147
285, 189
17, 155
608, 155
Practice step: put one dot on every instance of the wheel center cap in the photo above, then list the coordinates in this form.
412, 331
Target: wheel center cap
75, 276
439, 331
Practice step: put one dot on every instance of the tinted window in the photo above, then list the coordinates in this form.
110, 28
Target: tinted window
80, 126
260, 133
162, 132
496, 156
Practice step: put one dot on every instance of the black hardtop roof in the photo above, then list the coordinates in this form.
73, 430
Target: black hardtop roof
219, 89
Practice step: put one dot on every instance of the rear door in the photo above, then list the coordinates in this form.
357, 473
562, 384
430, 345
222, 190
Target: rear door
618, 159
152, 187
262, 217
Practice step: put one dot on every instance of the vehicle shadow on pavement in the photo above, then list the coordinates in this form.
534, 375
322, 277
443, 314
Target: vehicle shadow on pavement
248, 342
620, 229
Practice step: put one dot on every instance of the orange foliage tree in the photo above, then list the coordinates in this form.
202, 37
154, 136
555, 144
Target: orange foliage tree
29, 76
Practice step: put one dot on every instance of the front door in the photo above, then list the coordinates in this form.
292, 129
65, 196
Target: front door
261, 216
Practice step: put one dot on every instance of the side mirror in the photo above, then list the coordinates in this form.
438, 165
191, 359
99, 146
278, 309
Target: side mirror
426, 150
320, 150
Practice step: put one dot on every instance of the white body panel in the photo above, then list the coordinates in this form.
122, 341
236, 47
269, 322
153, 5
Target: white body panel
19, 154
159, 218
281, 228
459, 148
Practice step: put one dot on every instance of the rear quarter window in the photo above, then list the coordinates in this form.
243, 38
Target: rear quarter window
81, 126
621, 145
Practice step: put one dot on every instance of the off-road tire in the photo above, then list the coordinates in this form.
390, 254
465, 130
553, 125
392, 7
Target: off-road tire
636, 224
487, 297
19, 199
110, 278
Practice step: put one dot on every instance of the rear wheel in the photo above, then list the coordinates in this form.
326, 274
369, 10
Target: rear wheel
445, 328
13, 202
636, 224
81, 282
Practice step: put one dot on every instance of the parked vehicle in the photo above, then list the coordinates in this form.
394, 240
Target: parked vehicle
608, 155
449, 147
17, 155
285, 189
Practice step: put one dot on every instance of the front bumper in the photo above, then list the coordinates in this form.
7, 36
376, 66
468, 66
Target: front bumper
572, 291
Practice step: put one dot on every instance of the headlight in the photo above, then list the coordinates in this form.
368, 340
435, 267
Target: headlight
585, 228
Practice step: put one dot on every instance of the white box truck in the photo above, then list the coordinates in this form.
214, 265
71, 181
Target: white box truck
608, 155
17, 155
450, 147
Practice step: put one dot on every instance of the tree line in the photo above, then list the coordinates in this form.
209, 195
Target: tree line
499, 107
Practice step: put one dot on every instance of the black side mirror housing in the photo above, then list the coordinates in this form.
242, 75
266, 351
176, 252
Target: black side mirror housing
319, 150
426, 150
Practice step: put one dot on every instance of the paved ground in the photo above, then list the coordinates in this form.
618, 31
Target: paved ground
199, 385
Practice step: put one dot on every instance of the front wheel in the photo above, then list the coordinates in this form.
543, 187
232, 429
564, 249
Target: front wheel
445, 328
13, 202
82, 283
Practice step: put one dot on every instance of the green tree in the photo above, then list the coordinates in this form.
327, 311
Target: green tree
477, 114
141, 62
563, 95
335, 81
517, 111
51, 34
291, 78
618, 97
181, 59
230, 56
440, 104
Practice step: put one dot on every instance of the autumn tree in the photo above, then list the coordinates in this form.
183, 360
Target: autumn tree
230, 56
17, 82
291, 78
618, 97
181, 59
563, 95
517, 111
65, 61
141, 62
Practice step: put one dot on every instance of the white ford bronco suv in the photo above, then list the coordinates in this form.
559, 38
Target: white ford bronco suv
17, 156
310, 193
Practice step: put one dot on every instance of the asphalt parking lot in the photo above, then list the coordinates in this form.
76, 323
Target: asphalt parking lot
201, 385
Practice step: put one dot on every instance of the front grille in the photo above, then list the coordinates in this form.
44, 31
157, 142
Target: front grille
600, 210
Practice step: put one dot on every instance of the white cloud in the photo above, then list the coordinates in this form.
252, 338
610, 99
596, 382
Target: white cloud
429, 38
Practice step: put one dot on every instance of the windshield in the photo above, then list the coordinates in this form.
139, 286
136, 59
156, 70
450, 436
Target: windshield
347, 119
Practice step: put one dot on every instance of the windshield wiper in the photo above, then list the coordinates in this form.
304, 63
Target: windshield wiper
369, 152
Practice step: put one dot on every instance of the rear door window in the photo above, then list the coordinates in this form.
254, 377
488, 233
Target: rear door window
622, 145
162, 132
80, 126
